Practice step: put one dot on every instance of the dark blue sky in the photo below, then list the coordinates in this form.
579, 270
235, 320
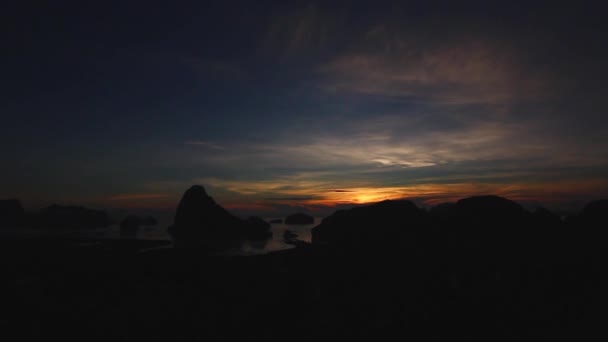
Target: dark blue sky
270, 103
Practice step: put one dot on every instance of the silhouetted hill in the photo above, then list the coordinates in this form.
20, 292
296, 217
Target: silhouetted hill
382, 224
11, 213
487, 222
299, 218
200, 220
199, 217
257, 228
489, 209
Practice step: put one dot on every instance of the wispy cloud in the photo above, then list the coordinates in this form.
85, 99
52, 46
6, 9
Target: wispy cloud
398, 145
463, 71
301, 30
206, 144
135, 197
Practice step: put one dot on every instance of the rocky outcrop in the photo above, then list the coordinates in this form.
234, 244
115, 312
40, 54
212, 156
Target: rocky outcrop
489, 210
200, 220
257, 228
382, 224
299, 218
482, 221
198, 217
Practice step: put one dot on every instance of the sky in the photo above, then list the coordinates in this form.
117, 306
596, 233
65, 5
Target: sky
309, 104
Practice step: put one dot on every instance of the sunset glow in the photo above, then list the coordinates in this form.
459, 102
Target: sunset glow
309, 105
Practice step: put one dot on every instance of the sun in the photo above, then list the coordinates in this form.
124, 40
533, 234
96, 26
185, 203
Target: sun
367, 198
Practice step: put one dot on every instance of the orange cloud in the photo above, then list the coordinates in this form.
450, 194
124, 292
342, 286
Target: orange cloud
143, 200
546, 192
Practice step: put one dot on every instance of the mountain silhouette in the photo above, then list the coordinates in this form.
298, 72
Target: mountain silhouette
479, 221
200, 220
381, 224
489, 209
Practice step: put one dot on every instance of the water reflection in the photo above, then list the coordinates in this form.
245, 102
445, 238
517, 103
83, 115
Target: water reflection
277, 242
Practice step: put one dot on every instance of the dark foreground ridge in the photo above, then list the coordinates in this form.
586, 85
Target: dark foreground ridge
480, 269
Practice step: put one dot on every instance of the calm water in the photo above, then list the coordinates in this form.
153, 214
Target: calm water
277, 243
159, 232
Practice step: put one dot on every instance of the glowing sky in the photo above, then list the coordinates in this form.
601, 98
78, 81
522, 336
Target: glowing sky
312, 104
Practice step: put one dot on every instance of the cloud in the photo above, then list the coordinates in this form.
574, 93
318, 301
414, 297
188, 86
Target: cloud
377, 150
456, 71
136, 197
301, 30
207, 144
289, 199
400, 156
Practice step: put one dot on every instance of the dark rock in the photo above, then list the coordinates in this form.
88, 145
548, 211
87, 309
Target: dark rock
492, 223
257, 228
299, 218
276, 221
199, 217
199, 220
544, 217
11, 213
379, 225
56, 216
489, 209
